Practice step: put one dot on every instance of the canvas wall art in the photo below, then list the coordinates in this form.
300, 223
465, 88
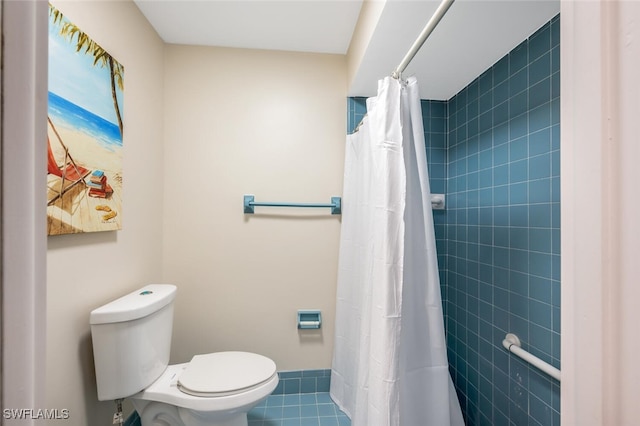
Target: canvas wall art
85, 132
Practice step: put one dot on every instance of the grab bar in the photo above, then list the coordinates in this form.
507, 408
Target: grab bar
512, 344
250, 203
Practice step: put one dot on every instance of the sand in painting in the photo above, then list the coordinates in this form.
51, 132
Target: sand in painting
77, 211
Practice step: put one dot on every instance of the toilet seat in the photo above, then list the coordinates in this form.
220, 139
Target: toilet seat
166, 390
225, 373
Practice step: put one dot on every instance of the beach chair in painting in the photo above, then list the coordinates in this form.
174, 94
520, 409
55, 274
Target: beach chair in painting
70, 173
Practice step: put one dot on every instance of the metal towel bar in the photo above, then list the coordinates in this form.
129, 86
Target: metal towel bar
250, 203
437, 203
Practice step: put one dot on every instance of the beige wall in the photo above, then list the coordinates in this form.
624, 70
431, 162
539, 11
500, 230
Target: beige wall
204, 126
362, 33
270, 124
84, 271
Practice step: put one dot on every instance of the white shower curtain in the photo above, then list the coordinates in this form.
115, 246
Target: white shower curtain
390, 360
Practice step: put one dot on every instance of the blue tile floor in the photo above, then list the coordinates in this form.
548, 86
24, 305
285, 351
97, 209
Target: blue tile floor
299, 409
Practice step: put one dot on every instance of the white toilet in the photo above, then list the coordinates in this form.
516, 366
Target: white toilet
131, 343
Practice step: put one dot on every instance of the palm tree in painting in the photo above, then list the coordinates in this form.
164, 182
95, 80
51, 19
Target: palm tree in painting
100, 56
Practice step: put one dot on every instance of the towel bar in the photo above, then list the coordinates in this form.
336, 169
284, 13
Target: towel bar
437, 203
250, 203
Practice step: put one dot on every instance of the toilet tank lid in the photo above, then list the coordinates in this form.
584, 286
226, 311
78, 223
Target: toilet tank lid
135, 305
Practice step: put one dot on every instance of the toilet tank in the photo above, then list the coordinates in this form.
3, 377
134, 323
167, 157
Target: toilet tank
132, 340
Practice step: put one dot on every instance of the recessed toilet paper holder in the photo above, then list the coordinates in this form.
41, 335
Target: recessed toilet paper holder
309, 319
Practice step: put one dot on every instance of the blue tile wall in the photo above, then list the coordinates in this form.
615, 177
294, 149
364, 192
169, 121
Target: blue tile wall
503, 234
303, 381
434, 118
494, 149
356, 110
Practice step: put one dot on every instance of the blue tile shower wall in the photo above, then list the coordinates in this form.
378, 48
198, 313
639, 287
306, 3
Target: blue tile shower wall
494, 149
434, 120
503, 234
356, 110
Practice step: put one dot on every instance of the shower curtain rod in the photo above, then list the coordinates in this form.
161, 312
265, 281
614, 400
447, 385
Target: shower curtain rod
426, 32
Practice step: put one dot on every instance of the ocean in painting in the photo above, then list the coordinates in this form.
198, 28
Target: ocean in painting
69, 115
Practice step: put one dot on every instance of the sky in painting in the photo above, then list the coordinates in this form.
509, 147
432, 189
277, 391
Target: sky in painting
73, 76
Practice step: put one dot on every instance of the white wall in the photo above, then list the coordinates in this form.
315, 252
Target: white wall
23, 294
270, 124
600, 55
87, 270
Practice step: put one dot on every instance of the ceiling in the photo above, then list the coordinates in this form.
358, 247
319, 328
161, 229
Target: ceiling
471, 37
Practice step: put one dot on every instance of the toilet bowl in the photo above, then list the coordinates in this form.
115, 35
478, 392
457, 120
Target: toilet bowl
216, 389
131, 343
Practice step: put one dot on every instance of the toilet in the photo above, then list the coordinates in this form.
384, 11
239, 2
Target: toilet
131, 344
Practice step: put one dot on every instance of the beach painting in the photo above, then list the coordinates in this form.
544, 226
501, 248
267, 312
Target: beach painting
85, 132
